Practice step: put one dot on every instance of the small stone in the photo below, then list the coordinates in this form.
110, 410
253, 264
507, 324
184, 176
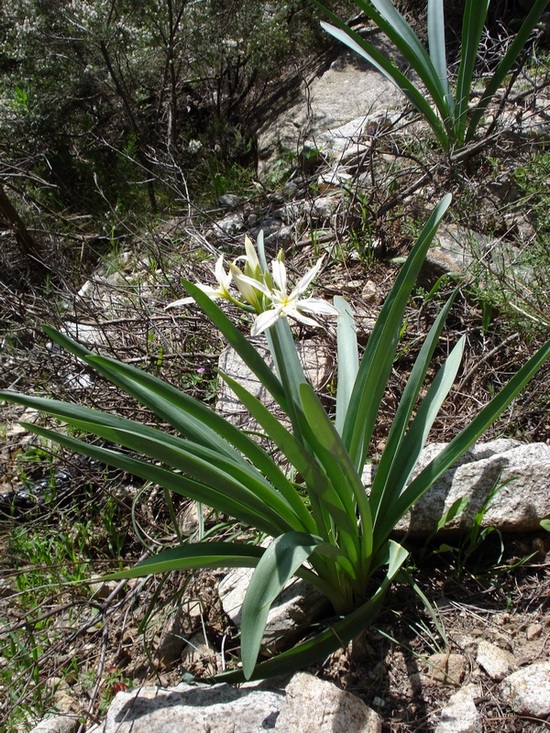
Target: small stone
198, 650
6, 588
533, 631
527, 691
229, 225
496, 662
104, 588
230, 201
460, 715
370, 293
188, 519
171, 641
446, 668
352, 285
192, 612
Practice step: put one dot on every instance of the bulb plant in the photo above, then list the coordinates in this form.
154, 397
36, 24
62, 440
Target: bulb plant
444, 105
320, 523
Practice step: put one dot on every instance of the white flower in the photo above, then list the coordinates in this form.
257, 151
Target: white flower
289, 305
222, 291
249, 292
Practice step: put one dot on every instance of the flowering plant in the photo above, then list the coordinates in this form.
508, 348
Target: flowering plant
323, 526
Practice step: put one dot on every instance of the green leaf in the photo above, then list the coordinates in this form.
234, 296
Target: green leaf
286, 443
196, 555
436, 42
321, 492
204, 464
348, 359
394, 25
475, 13
188, 416
406, 405
381, 347
411, 446
456, 508
240, 343
235, 504
364, 49
339, 467
278, 564
286, 360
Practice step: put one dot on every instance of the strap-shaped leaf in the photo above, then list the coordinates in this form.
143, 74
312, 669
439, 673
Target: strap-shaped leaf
195, 555
506, 63
187, 415
406, 406
475, 14
278, 564
203, 464
322, 494
436, 43
284, 354
381, 347
339, 467
237, 506
364, 49
240, 343
348, 359
394, 25
412, 444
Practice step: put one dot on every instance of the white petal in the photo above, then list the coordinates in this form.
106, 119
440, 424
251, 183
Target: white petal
265, 320
251, 257
307, 279
279, 274
246, 288
177, 303
262, 287
223, 278
295, 313
316, 305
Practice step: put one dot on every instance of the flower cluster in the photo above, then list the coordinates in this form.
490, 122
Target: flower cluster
265, 292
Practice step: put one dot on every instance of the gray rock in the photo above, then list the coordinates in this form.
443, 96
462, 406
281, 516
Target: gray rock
306, 705
316, 706
228, 226
230, 200
496, 662
282, 237
198, 708
518, 507
458, 250
460, 715
527, 691
350, 92
452, 253
533, 631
